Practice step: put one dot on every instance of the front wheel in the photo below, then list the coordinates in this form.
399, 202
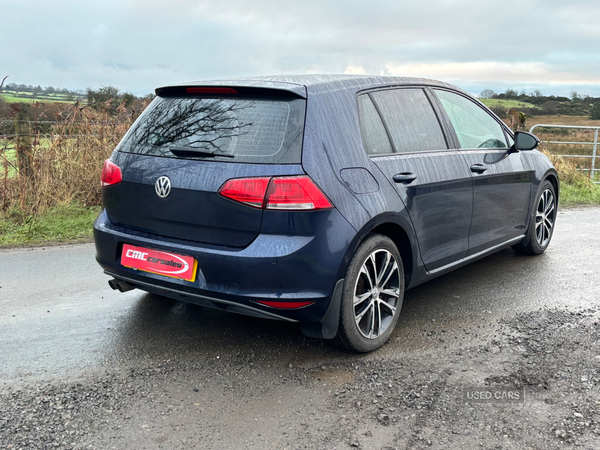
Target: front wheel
372, 295
541, 225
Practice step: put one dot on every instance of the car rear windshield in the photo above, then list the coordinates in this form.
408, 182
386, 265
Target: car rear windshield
252, 130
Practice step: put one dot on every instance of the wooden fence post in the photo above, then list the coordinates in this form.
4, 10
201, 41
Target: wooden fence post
23, 143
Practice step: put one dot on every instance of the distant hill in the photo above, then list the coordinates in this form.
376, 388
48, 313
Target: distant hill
538, 104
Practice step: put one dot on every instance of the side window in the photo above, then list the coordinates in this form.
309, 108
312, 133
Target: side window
410, 119
473, 125
372, 130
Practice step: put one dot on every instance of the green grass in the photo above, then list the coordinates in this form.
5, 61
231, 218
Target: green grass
11, 155
491, 102
579, 194
13, 99
63, 223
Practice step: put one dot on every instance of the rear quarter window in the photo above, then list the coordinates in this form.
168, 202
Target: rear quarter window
374, 136
252, 130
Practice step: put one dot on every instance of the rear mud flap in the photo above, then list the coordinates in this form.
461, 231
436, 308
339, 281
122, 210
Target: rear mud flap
328, 327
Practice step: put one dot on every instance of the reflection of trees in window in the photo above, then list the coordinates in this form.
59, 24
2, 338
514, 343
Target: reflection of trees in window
208, 124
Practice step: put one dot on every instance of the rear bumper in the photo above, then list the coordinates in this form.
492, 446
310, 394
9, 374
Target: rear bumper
198, 299
303, 267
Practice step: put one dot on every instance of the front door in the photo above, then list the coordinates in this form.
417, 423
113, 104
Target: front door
501, 185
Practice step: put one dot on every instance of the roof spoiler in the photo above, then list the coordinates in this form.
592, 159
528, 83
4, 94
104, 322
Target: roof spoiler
229, 91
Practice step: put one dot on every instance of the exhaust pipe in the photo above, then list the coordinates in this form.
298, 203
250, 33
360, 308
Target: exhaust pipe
120, 285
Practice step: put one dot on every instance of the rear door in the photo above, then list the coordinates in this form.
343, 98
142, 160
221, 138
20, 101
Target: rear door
403, 135
501, 183
193, 140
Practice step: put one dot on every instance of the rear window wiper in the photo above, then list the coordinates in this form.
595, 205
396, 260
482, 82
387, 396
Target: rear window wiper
194, 151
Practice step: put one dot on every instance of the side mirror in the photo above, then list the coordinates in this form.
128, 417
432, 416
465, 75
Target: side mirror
525, 141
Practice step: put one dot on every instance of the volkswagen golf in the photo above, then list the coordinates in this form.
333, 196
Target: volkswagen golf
317, 199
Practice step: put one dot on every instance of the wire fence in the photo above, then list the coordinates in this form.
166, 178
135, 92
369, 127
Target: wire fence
577, 147
47, 129
48, 162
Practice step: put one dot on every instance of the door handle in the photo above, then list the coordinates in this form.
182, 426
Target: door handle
404, 177
478, 168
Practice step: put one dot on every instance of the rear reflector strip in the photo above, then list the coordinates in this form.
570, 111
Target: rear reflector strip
284, 305
210, 90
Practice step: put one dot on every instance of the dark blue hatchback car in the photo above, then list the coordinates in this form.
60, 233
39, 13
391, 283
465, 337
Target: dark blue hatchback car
317, 199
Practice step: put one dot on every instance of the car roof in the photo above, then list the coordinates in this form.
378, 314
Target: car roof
314, 83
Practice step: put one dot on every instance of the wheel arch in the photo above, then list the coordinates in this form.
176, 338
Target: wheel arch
395, 227
528, 245
552, 176
397, 234
399, 230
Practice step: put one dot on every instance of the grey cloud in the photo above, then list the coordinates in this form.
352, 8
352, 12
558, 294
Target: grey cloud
137, 45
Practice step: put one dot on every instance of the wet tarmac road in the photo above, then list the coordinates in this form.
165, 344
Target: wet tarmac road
59, 318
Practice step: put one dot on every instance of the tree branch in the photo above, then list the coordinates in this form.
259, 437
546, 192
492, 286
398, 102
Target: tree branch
3, 80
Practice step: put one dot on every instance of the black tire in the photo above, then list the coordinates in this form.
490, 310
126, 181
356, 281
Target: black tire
376, 273
542, 221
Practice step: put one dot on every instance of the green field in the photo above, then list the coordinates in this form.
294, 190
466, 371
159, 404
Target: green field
491, 102
27, 98
11, 155
7, 149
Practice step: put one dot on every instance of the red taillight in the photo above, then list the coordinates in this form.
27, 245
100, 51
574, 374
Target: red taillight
283, 193
210, 90
295, 193
111, 174
249, 191
284, 305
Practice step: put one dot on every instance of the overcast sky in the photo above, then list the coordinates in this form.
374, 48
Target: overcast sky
137, 45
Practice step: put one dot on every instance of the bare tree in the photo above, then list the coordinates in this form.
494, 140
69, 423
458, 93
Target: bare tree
487, 93
208, 125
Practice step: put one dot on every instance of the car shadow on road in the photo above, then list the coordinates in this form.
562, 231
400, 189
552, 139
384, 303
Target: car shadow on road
161, 328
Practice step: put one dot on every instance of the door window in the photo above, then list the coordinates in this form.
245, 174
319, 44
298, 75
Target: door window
410, 119
474, 127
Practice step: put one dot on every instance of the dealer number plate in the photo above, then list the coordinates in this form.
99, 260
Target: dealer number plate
159, 262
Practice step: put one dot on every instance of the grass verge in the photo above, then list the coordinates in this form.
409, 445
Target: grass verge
579, 194
575, 187
60, 224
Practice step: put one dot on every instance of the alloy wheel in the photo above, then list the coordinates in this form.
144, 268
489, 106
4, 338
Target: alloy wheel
376, 293
544, 218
